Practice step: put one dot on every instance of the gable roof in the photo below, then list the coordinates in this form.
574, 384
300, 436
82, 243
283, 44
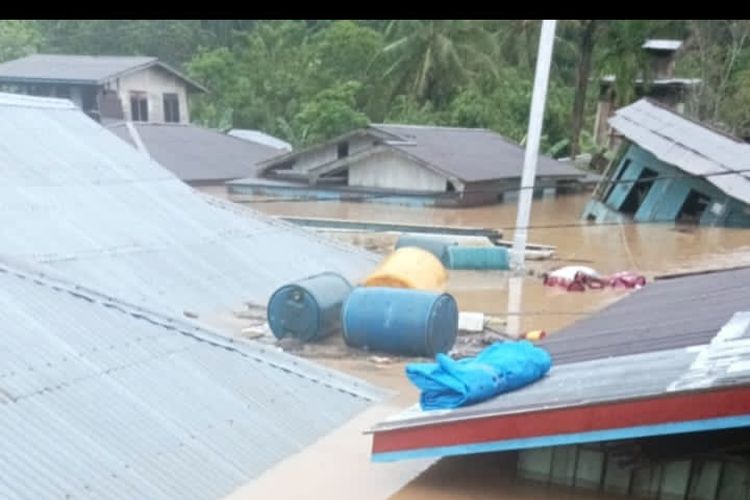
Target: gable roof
666, 314
688, 145
467, 154
197, 154
471, 155
81, 69
103, 399
81, 202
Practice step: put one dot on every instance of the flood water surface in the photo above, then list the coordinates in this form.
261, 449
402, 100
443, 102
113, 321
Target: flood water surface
648, 249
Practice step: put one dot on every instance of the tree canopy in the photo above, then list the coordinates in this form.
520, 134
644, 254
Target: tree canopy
310, 80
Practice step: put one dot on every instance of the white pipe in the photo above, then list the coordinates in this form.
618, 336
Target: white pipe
536, 117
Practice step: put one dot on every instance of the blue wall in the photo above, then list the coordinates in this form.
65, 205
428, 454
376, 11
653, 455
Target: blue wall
666, 196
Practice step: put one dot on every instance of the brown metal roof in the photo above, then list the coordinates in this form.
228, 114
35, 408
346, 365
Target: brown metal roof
666, 314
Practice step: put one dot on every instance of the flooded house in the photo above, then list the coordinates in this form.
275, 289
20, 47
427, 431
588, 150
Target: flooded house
140, 89
202, 158
673, 169
642, 400
406, 164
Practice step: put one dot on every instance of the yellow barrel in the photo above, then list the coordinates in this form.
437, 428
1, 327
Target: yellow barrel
409, 267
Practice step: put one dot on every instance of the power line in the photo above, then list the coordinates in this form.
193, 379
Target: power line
511, 189
611, 182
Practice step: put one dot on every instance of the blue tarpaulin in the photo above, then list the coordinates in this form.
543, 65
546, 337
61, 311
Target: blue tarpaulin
501, 367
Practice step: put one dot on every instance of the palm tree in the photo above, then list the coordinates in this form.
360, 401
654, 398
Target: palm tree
428, 60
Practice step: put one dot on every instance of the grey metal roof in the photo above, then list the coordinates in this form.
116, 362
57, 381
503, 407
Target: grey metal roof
471, 155
260, 137
671, 45
723, 360
86, 205
468, 154
79, 68
664, 314
197, 154
687, 145
101, 399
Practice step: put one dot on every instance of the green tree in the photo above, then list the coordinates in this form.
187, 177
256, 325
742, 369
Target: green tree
330, 113
430, 60
18, 39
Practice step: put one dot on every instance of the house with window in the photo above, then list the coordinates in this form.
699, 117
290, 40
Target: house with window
406, 164
673, 169
139, 89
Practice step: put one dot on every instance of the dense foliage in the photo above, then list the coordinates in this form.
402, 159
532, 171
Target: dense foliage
310, 80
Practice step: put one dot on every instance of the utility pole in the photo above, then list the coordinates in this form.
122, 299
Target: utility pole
533, 138
526, 195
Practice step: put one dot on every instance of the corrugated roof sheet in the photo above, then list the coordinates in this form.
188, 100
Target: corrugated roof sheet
79, 68
688, 145
720, 362
101, 399
197, 154
668, 314
471, 155
83, 203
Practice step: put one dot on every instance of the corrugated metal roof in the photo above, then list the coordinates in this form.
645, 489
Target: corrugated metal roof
688, 145
260, 137
471, 155
101, 399
83, 203
721, 362
666, 314
197, 154
79, 68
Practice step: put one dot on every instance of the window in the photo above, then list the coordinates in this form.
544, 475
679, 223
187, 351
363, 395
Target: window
171, 108
693, 207
639, 191
138, 107
343, 149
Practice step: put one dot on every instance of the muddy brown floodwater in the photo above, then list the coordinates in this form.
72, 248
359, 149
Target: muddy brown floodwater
648, 249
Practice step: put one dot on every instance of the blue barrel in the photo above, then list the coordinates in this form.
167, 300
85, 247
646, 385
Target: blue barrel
400, 321
308, 309
477, 258
435, 245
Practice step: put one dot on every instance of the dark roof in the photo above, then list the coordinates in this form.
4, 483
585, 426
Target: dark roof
668, 314
625, 397
80, 69
197, 154
470, 154
688, 145
122, 401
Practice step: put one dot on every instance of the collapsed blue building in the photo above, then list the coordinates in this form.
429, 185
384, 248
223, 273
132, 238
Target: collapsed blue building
672, 169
